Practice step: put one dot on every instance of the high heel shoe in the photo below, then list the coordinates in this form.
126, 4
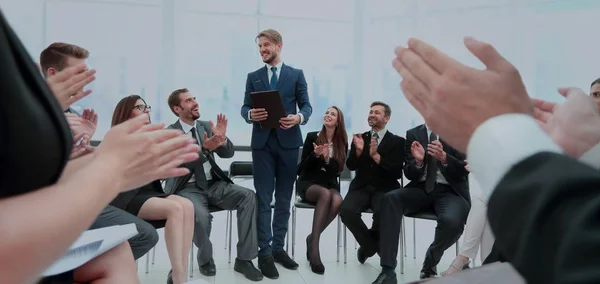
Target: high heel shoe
317, 268
456, 266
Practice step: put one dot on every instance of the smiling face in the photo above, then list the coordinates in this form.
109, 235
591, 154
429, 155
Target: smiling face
269, 50
331, 118
188, 107
377, 117
140, 108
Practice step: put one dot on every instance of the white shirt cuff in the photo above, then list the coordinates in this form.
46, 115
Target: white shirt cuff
249, 117
301, 117
500, 143
592, 157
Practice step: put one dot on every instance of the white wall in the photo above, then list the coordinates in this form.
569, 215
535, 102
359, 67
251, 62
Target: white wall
151, 47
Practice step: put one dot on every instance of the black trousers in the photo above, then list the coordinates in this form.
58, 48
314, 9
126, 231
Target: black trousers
356, 202
450, 209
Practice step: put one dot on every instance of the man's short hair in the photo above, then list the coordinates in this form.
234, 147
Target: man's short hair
597, 81
174, 99
56, 55
387, 108
272, 35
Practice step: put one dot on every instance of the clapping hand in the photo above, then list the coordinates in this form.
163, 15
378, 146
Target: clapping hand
358, 142
221, 128
322, 151
373, 147
213, 142
67, 85
84, 124
436, 150
81, 146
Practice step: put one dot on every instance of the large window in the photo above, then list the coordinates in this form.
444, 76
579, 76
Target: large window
125, 51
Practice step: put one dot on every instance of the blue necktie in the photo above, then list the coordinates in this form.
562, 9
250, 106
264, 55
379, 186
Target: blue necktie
273, 83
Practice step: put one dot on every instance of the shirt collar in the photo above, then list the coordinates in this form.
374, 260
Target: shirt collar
185, 127
381, 133
278, 66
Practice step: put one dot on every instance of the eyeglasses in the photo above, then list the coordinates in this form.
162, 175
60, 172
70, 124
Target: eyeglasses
143, 107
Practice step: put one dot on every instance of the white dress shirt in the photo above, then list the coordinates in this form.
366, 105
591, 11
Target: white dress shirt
269, 76
187, 129
500, 143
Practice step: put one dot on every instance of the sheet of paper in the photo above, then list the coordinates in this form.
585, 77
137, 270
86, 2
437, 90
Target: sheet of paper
89, 245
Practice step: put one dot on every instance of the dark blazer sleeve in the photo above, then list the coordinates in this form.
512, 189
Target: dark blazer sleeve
544, 215
302, 98
308, 158
411, 171
393, 161
352, 160
247, 106
455, 163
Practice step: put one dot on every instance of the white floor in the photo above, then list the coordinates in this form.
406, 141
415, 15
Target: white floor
335, 272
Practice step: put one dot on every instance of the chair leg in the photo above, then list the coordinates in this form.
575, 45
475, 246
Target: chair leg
153, 254
230, 222
404, 236
457, 248
147, 263
191, 268
227, 228
338, 239
402, 247
293, 231
414, 238
345, 245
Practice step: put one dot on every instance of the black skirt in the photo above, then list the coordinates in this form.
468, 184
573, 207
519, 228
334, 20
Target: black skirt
141, 197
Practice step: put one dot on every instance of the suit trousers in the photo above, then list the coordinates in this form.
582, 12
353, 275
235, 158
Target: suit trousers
141, 243
451, 211
274, 171
358, 201
226, 196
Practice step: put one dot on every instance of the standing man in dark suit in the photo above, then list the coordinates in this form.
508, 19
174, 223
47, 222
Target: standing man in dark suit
438, 183
377, 157
208, 185
275, 151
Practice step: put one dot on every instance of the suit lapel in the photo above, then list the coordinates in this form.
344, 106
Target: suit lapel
284, 72
383, 140
422, 136
200, 132
264, 77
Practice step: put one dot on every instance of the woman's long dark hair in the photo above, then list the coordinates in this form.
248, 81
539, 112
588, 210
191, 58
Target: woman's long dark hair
339, 139
124, 108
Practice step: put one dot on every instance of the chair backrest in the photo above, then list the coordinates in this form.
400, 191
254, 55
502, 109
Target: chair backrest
240, 169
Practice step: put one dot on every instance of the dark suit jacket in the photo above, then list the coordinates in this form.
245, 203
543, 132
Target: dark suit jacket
293, 90
310, 167
454, 172
371, 176
545, 215
175, 184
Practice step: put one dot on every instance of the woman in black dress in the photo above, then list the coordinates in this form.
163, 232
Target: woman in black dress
47, 200
323, 159
149, 202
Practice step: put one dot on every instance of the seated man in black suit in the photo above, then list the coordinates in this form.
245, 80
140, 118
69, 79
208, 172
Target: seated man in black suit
377, 157
438, 183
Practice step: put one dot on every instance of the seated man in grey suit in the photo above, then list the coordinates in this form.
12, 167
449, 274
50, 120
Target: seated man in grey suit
208, 185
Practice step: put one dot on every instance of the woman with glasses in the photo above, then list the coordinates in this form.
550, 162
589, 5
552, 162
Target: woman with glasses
149, 202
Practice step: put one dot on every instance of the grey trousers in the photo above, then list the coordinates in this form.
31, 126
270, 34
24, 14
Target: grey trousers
141, 243
229, 197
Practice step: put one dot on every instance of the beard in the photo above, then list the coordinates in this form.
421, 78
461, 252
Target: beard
270, 58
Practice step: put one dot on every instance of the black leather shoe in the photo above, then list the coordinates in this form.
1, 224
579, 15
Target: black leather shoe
360, 254
170, 277
266, 264
284, 259
247, 268
385, 278
428, 273
317, 268
208, 269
